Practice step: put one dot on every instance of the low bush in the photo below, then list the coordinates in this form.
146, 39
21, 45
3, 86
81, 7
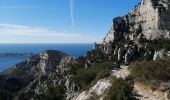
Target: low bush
121, 89
6, 95
94, 56
84, 77
54, 93
151, 71
159, 44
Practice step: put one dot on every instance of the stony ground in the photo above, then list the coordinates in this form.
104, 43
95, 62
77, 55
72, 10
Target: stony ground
123, 72
143, 92
103, 85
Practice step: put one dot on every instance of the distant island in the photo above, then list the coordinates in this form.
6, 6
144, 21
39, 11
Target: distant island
132, 63
9, 54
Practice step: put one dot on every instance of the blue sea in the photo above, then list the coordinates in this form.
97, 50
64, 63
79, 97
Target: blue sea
73, 50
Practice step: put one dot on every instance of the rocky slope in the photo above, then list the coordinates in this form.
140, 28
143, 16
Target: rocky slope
158, 90
101, 88
32, 77
143, 32
141, 35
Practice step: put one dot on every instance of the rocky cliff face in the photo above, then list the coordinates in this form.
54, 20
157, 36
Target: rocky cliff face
142, 34
138, 34
150, 18
32, 77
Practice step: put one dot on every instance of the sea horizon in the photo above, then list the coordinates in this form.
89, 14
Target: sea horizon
73, 50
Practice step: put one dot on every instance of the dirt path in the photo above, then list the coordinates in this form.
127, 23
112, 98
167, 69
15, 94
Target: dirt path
143, 92
123, 72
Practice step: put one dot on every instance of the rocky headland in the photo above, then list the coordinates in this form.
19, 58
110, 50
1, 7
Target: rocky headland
132, 63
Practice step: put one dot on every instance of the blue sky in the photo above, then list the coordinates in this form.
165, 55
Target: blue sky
59, 21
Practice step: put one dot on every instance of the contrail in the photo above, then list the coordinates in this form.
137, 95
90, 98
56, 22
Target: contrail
72, 2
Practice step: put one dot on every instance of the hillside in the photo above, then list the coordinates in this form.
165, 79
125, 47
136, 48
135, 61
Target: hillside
132, 63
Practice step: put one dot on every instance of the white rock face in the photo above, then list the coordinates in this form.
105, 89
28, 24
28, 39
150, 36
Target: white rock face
102, 86
121, 73
110, 35
98, 89
42, 65
127, 58
44, 55
83, 96
150, 17
161, 54
119, 54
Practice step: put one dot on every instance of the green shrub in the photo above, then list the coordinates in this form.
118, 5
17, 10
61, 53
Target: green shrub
6, 95
54, 93
84, 77
159, 44
96, 56
148, 71
103, 74
121, 89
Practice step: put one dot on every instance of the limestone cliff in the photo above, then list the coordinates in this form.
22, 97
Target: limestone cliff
141, 35
150, 18
32, 77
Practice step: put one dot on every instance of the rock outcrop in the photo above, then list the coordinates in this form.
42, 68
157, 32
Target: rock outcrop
129, 35
150, 18
33, 76
161, 54
100, 89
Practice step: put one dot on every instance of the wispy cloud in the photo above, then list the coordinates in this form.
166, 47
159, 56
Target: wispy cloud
12, 29
12, 33
72, 2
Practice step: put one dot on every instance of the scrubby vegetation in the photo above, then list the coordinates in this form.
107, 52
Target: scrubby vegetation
84, 77
97, 66
160, 44
6, 95
94, 56
53, 93
8, 88
157, 44
121, 89
151, 72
